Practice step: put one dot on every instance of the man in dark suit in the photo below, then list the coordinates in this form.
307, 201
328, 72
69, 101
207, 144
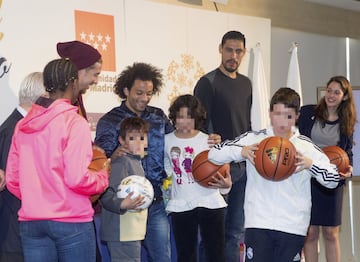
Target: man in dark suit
31, 89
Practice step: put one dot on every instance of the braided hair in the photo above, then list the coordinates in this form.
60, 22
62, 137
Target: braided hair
58, 74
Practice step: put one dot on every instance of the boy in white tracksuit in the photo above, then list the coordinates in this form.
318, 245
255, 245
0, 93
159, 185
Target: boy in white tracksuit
277, 213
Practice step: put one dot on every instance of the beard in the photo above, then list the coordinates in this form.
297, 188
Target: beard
231, 69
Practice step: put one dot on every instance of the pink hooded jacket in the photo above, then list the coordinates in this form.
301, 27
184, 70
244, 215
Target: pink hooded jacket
47, 167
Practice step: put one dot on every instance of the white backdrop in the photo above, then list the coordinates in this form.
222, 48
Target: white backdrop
181, 41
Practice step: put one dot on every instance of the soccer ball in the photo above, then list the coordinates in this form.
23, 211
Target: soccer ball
140, 186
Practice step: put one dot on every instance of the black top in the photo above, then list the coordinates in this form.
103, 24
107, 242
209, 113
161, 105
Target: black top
227, 102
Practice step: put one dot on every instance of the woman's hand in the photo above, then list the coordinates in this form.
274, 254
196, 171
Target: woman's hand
347, 173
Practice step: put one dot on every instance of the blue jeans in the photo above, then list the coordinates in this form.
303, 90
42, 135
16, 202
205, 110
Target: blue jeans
52, 241
157, 238
234, 216
103, 249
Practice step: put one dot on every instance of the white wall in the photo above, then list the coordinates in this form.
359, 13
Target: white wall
166, 36
320, 57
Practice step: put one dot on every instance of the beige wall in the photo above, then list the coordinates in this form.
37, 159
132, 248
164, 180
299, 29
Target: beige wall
291, 14
325, 23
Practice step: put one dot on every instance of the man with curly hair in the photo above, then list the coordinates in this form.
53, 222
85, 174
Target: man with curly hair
135, 86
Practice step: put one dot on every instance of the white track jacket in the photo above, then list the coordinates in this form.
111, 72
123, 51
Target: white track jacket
278, 205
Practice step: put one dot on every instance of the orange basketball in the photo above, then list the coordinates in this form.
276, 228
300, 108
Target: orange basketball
98, 160
97, 163
275, 159
337, 157
203, 170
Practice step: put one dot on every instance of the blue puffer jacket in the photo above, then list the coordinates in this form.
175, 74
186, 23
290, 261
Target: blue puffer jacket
107, 133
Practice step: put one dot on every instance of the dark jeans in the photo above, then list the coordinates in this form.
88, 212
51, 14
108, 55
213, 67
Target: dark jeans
211, 224
10, 242
264, 245
234, 216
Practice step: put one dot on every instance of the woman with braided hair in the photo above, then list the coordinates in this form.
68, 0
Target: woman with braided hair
47, 170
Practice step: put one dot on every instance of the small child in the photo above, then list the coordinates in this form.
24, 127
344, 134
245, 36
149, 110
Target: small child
277, 214
122, 230
193, 206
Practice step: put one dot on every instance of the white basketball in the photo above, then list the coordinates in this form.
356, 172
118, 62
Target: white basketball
140, 186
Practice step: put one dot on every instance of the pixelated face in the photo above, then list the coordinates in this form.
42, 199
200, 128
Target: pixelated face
184, 122
232, 53
283, 119
334, 95
139, 96
88, 77
136, 142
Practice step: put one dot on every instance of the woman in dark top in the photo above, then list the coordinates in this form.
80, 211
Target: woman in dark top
330, 122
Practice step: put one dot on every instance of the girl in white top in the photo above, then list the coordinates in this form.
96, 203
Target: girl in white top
193, 206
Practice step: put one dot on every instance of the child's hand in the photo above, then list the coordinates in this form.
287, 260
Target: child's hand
218, 181
347, 174
302, 162
132, 203
213, 139
249, 152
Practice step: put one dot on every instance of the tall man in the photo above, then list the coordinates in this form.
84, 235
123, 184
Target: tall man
227, 97
31, 88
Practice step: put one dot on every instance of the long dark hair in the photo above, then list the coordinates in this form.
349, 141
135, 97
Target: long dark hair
346, 110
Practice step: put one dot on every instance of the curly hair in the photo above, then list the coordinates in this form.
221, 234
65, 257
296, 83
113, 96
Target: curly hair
141, 71
346, 110
195, 108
